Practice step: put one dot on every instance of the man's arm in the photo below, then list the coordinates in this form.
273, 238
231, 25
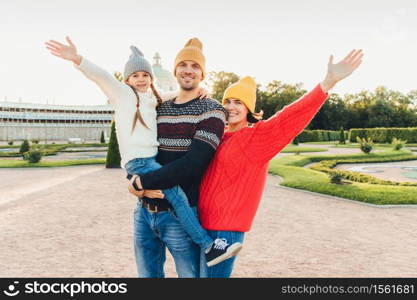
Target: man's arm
194, 163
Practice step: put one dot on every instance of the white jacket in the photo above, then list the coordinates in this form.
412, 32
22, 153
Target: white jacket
142, 142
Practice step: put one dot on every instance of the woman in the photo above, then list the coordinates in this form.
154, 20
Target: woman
233, 184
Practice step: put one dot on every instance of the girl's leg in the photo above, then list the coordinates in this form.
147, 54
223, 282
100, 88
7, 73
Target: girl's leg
185, 214
223, 269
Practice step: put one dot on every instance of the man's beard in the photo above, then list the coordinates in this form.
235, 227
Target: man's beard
188, 88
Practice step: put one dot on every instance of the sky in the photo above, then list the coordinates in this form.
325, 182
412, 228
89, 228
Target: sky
289, 41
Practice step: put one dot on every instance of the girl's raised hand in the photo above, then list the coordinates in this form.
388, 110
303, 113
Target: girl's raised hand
68, 52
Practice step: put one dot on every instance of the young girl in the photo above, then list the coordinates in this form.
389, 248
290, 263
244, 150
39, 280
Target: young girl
135, 102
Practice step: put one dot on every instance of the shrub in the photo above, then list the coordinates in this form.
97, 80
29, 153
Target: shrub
336, 178
366, 145
397, 144
24, 147
35, 141
113, 154
342, 138
10, 143
102, 140
33, 156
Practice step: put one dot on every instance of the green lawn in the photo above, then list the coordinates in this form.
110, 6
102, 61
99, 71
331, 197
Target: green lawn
294, 148
322, 143
352, 145
52, 149
5, 163
7, 146
290, 169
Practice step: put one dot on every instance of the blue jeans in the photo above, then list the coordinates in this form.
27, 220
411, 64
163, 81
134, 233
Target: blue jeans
225, 268
187, 216
178, 200
152, 234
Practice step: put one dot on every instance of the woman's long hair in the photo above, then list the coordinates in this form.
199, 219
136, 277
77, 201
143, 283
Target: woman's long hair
254, 117
138, 116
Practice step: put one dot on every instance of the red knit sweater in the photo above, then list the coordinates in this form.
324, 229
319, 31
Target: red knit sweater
233, 184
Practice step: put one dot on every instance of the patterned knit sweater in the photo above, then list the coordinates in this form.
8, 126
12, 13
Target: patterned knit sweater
188, 135
233, 184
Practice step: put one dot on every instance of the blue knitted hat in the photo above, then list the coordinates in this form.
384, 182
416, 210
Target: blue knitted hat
137, 62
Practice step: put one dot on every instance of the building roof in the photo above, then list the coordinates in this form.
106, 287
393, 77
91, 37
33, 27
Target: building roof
106, 107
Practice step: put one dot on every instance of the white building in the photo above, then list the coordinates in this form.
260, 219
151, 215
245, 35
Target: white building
20, 121
165, 80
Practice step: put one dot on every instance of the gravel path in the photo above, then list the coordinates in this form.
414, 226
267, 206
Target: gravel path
77, 223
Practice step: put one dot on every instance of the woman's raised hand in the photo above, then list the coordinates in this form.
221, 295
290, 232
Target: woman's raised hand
342, 69
68, 52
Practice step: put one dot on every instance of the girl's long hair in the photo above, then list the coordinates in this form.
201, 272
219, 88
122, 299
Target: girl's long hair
137, 115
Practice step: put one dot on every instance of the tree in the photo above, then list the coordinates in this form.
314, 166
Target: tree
113, 154
277, 95
358, 105
380, 115
296, 141
24, 147
102, 140
332, 115
220, 81
342, 138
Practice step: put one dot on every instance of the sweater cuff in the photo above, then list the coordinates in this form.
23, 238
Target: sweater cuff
320, 91
82, 64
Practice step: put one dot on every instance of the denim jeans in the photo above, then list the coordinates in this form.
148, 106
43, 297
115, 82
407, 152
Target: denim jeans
178, 200
225, 268
152, 234
187, 216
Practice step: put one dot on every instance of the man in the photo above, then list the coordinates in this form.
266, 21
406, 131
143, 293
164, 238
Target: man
189, 131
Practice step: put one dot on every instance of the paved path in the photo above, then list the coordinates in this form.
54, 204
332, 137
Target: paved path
80, 226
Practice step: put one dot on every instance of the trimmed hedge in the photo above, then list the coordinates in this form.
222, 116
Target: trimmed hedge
318, 136
327, 166
384, 135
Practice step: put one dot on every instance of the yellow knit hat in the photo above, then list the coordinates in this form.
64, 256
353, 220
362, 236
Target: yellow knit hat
243, 90
192, 51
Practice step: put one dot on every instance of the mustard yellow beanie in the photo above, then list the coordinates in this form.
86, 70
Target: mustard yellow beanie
243, 90
193, 50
